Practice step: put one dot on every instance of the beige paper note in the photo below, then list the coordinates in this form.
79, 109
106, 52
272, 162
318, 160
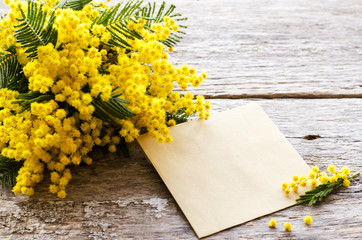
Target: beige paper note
226, 170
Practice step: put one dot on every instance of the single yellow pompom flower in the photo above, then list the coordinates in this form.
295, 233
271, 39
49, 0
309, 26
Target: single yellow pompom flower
27, 191
303, 183
331, 168
62, 194
346, 183
313, 183
308, 219
345, 170
287, 191
285, 186
333, 179
324, 179
315, 169
53, 188
272, 223
171, 122
112, 148
311, 175
288, 226
295, 178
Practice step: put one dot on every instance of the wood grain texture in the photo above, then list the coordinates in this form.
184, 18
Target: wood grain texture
119, 198
252, 47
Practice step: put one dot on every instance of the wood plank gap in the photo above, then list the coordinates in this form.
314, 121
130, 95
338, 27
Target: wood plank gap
284, 95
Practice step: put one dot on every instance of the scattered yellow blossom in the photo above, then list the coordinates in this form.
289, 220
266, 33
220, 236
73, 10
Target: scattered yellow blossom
288, 226
272, 223
308, 219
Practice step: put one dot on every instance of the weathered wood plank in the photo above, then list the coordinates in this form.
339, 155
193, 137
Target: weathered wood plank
262, 47
118, 198
265, 47
273, 48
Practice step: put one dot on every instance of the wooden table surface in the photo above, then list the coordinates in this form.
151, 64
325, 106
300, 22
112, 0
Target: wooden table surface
301, 60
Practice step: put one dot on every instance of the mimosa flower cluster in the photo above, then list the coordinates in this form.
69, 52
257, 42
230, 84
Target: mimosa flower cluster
315, 177
79, 80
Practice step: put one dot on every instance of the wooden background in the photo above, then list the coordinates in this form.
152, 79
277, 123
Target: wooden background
301, 60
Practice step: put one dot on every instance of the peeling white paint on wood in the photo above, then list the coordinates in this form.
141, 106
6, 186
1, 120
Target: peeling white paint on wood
158, 204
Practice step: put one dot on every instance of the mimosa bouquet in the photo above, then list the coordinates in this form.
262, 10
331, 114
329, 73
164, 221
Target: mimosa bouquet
76, 74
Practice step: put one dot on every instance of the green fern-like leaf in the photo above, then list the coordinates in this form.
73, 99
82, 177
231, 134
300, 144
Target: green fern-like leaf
11, 72
26, 99
118, 14
116, 19
20, 83
9, 66
112, 110
152, 15
35, 29
73, 4
8, 171
180, 116
319, 193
